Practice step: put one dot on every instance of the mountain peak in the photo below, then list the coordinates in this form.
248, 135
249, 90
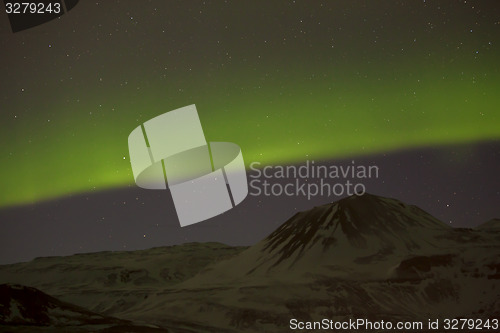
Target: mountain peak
349, 236
366, 226
370, 211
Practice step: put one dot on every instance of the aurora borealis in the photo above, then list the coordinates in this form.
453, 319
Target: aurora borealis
287, 81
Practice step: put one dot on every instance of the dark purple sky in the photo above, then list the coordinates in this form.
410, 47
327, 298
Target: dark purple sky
457, 184
288, 78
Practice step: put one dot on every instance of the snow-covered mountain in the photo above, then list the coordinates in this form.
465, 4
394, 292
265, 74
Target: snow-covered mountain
357, 235
360, 257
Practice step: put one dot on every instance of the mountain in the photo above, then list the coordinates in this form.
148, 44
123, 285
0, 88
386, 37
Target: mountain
360, 257
341, 238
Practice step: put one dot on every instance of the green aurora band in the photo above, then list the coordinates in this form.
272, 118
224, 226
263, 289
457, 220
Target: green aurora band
274, 123
283, 96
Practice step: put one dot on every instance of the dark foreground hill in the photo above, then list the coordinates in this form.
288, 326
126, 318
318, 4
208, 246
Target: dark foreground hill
28, 309
361, 257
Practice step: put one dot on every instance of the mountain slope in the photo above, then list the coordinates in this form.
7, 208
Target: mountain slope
88, 279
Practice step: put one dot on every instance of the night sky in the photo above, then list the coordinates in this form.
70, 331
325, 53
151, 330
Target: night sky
412, 86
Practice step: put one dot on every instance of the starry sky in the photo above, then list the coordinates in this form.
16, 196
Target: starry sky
288, 81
